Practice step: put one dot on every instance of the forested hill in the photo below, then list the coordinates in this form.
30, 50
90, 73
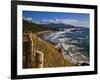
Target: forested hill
33, 27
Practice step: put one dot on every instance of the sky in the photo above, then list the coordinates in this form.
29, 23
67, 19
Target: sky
77, 19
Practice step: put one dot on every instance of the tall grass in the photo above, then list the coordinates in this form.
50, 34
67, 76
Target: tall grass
52, 57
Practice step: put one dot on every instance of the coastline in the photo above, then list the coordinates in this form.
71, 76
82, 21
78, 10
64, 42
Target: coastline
76, 58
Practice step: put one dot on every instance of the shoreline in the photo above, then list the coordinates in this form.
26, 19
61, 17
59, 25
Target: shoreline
80, 58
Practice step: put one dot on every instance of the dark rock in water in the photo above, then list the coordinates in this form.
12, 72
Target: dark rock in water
84, 64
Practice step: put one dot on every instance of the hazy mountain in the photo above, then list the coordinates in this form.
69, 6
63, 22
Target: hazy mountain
29, 26
54, 26
58, 26
61, 26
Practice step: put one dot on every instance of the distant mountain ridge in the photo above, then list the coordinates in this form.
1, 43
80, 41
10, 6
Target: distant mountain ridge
33, 27
50, 26
59, 26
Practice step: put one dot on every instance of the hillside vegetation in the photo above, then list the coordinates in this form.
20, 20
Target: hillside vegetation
28, 26
52, 57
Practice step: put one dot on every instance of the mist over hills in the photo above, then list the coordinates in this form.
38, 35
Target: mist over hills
52, 25
61, 26
29, 26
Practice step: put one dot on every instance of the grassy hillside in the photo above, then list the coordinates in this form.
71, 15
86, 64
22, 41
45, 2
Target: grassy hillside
28, 26
52, 57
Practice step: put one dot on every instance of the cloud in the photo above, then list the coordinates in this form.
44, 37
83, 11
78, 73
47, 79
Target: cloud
67, 21
75, 22
50, 21
28, 18
56, 21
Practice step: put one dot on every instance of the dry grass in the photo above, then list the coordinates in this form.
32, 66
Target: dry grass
52, 57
